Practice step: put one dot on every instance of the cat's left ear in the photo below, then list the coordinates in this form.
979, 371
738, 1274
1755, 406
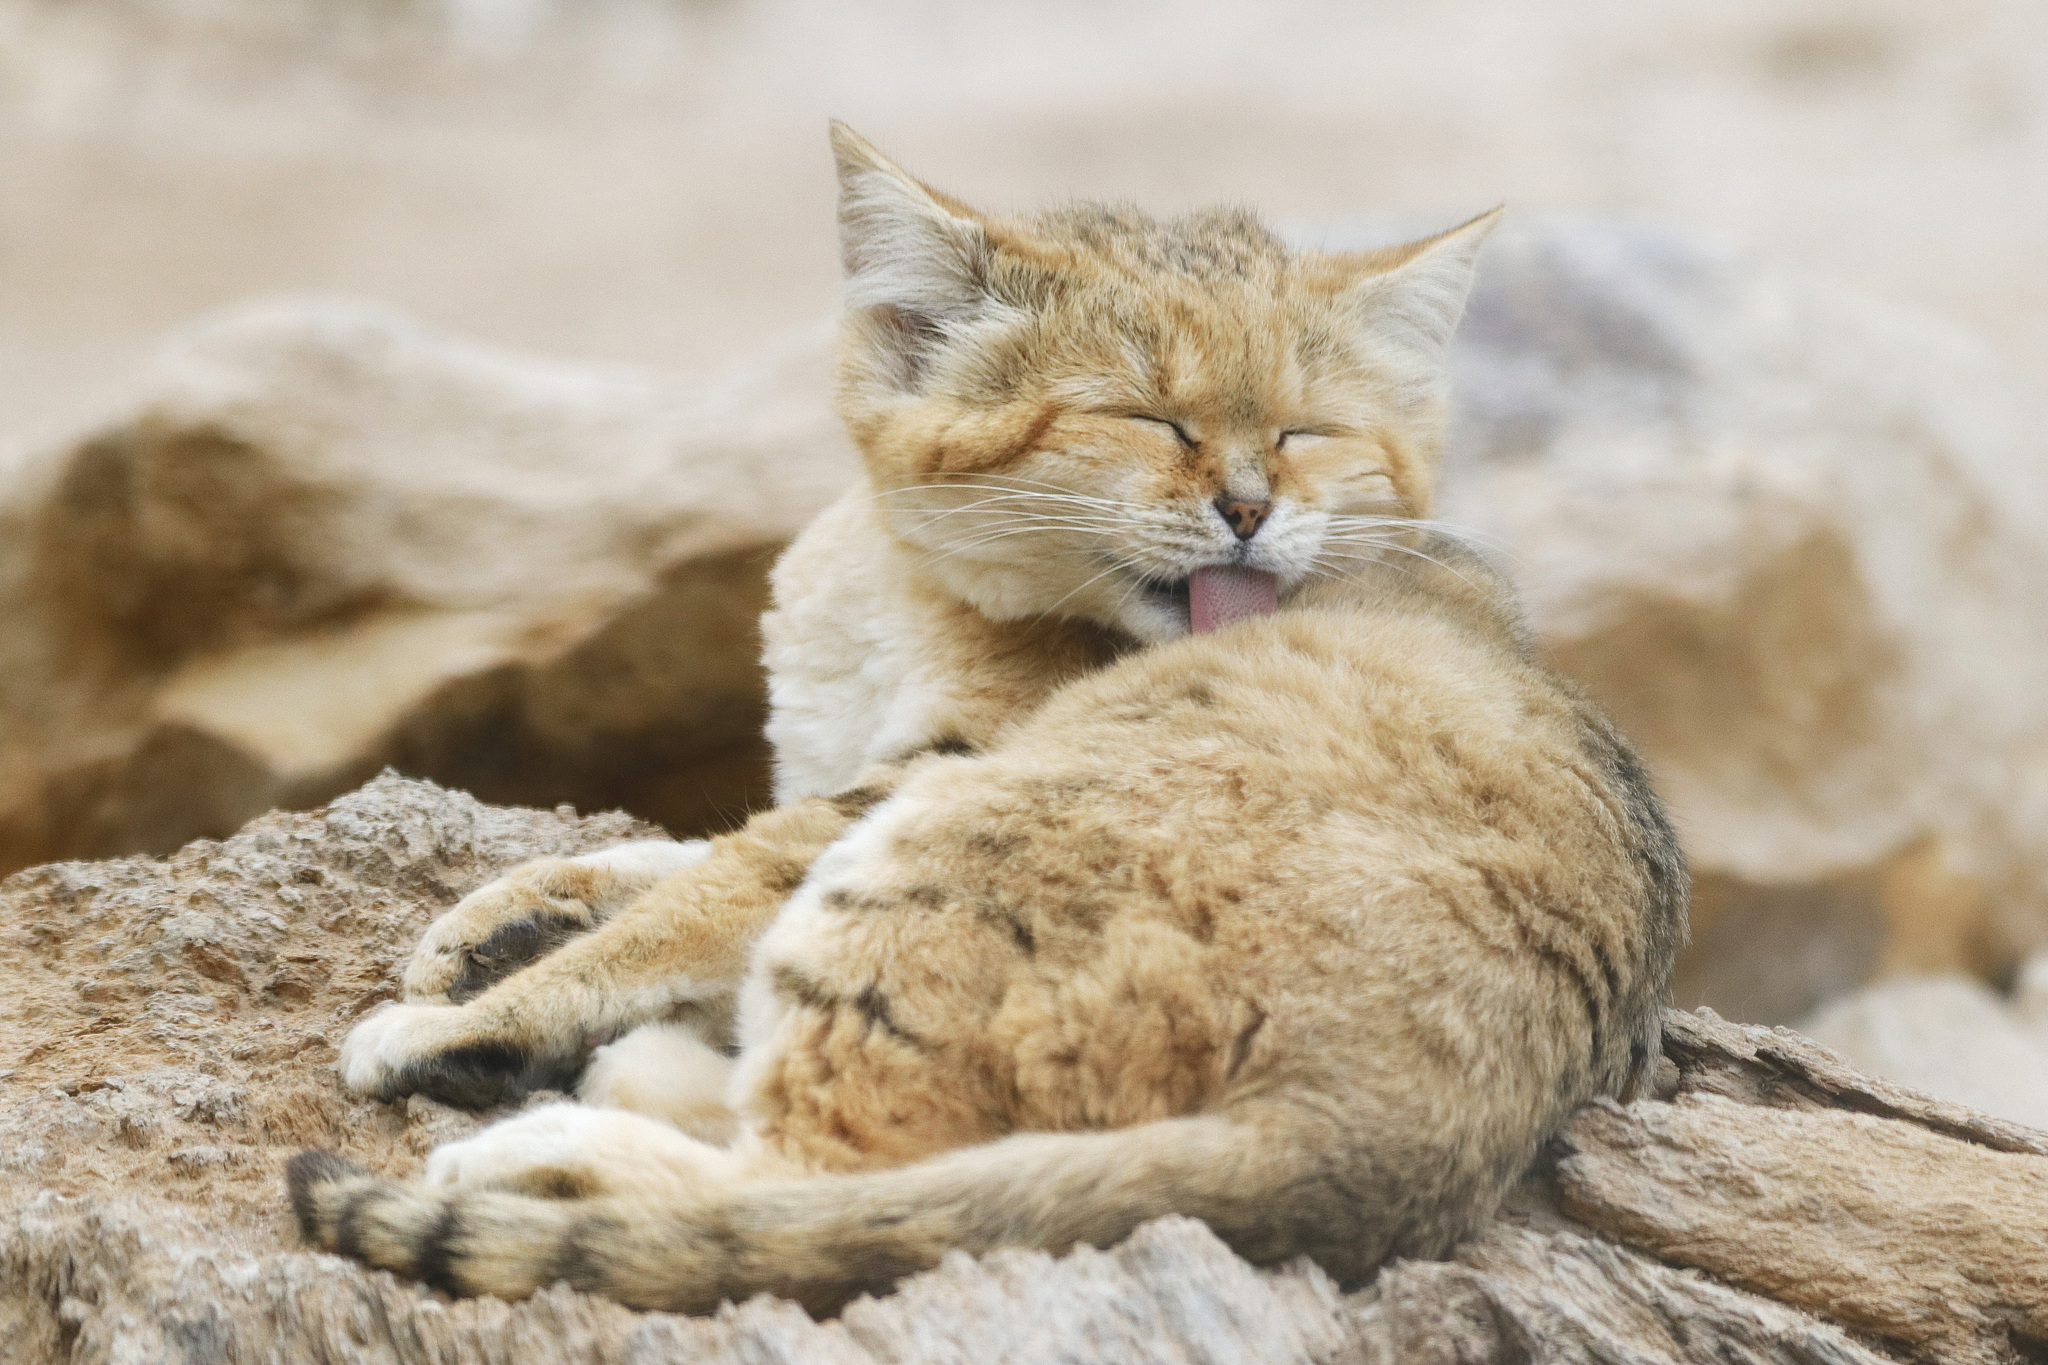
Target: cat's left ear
1413, 295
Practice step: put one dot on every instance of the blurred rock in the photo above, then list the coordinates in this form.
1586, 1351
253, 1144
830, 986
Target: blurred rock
1792, 540
168, 1028
1952, 1037
322, 540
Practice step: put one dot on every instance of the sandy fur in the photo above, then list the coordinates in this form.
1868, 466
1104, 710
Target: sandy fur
664, 1071
1318, 926
1315, 927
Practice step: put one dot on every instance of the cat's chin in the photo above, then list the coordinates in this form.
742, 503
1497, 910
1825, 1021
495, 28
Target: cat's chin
1157, 612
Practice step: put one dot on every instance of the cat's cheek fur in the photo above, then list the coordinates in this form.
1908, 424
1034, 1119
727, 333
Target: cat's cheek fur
870, 661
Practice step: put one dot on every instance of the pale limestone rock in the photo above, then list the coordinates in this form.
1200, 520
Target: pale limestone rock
323, 539
1793, 541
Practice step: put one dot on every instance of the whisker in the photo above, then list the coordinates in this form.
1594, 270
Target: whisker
1045, 518
1040, 521
970, 485
1116, 567
1406, 550
933, 516
992, 537
1467, 535
1040, 483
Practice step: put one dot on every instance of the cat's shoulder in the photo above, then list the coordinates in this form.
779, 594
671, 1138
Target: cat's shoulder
834, 642
871, 660
868, 661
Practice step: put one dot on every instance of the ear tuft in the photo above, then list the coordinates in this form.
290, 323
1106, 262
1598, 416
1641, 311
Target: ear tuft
914, 260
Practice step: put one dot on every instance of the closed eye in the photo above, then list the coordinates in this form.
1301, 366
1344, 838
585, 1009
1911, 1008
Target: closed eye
1176, 428
1280, 443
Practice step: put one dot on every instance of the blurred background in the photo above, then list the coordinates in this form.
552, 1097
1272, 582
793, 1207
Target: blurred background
1750, 398
647, 180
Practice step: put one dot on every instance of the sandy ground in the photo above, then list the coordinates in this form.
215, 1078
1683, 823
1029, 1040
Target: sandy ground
648, 181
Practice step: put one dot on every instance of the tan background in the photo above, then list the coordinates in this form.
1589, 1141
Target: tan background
647, 181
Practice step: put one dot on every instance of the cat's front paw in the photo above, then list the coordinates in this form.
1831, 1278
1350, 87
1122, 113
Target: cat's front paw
499, 928
531, 911
448, 1052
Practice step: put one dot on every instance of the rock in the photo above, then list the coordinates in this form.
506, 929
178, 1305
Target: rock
1899, 1234
1170, 1294
168, 1026
322, 540
1793, 542
1779, 1069
1952, 1037
1512, 1295
166, 1032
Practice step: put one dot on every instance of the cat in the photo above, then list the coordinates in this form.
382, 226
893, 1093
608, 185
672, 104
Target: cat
1171, 821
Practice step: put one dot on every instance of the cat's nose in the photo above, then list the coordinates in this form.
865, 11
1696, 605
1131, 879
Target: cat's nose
1243, 516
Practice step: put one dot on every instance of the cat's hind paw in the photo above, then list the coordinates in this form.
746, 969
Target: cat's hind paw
572, 1151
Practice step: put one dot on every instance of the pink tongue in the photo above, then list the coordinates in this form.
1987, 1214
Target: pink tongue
1218, 596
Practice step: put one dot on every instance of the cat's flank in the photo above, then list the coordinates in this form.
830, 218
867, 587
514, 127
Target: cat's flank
1172, 823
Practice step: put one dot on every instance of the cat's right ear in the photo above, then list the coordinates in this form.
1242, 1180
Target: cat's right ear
915, 260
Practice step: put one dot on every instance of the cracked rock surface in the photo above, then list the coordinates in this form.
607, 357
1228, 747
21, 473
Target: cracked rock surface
168, 1026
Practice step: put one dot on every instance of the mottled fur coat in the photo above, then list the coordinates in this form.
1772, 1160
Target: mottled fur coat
1315, 925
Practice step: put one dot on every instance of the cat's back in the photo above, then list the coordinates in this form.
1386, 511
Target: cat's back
1417, 720
1406, 775
1383, 837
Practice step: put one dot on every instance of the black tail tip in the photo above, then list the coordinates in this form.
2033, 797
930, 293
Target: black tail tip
304, 1174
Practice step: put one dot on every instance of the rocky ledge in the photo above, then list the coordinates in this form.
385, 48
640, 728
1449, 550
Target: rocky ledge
169, 1028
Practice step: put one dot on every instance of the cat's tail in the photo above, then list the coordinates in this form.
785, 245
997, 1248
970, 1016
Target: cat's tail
1272, 1190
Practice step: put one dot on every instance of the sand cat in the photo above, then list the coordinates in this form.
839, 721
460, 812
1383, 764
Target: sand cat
1172, 823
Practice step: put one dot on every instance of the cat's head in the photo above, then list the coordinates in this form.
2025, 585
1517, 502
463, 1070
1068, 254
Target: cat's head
1070, 413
